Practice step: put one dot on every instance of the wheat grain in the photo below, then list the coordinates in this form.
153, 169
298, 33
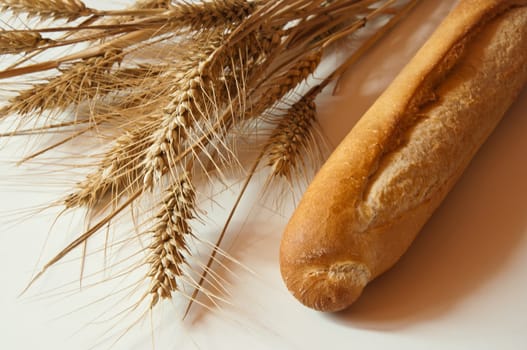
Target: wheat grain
206, 91
196, 15
52, 9
119, 171
177, 118
189, 103
171, 227
17, 42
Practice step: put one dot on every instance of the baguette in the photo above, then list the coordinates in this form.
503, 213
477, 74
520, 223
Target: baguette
382, 183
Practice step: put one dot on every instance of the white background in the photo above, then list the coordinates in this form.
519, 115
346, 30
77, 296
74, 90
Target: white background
462, 284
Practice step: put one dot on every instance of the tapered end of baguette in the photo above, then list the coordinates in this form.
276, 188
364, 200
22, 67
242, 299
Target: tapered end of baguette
327, 288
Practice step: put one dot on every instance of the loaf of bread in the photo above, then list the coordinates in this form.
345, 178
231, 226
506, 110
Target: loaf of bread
382, 183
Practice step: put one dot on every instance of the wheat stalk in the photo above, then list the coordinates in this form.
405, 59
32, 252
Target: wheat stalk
52, 9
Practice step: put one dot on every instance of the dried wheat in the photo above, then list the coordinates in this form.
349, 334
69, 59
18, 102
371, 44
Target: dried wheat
74, 84
281, 84
151, 4
208, 14
292, 140
179, 116
52, 9
220, 64
18, 42
170, 231
116, 174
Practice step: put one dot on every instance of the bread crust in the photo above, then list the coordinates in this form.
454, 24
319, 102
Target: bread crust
389, 174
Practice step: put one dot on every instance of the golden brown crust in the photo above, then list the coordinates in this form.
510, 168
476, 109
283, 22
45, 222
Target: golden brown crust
351, 224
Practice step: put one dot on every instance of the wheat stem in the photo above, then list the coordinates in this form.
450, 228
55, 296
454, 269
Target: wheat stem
360, 23
83, 237
221, 236
398, 15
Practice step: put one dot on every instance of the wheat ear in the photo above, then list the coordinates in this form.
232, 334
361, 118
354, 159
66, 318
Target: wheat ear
170, 231
152, 4
209, 14
179, 115
49, 9
115, 174
282, 83
291, 140
17, 42
206, 99
71, 86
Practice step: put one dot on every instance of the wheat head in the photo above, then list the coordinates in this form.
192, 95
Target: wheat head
170, 231
73, 85
281, 84
292, 140
209, 14
19, 42
48, 9
182, 112
116, 173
